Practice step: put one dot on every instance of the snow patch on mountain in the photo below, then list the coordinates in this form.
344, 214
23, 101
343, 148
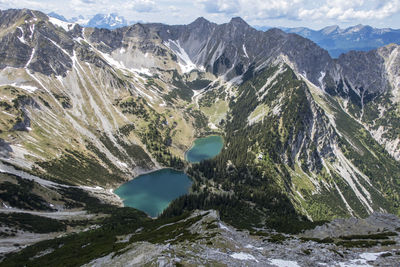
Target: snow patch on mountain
184, 61
142, 71
284, 263
243, 256
245, 51
21, 38
28, 88
67, 26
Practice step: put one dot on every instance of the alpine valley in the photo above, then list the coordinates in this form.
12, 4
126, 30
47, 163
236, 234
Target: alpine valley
307, 139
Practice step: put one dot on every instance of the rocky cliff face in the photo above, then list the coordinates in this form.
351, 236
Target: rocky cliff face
365, 85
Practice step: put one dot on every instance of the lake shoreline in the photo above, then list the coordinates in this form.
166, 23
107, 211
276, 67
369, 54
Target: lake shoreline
153, 192
202, 144
143, 195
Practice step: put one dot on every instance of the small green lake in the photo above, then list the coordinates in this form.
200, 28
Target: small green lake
153, 192
204, 148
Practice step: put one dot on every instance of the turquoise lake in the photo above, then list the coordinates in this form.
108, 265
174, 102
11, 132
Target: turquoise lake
153, 192
204, 148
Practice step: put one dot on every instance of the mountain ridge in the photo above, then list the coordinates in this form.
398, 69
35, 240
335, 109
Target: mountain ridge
332, 38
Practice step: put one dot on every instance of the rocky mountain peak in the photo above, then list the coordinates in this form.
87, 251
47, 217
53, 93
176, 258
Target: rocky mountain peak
358, 28
330, 29
238, 21
11, 16
200, 21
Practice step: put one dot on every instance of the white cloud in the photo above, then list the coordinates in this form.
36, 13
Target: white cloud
174, 9
144, 6
343, 10
270, 9
22, 4
220, 6
261, 9
340, 10
314, 13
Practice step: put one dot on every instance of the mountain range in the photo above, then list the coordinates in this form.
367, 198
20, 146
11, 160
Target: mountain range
338, 41
307, 138
106, 21
332, 38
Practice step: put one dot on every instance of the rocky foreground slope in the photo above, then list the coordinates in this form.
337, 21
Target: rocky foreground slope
203, 239
224, 245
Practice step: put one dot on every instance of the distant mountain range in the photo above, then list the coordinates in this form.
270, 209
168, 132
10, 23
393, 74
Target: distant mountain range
338, 41
108, 21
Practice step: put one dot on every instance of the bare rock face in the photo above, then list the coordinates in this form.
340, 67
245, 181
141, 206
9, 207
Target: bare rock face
31, 42
229, 49
365, 71
108, 40
14, 53
375, 223
5, 149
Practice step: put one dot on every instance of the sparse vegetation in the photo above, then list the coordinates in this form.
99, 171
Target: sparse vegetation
21, 195
31, 223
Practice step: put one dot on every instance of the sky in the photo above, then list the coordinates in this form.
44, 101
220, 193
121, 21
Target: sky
314, 14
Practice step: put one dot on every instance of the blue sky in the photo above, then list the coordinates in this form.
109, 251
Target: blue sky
309, 13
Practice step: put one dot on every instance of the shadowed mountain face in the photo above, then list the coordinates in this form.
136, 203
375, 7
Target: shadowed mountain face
231, 49
306, 136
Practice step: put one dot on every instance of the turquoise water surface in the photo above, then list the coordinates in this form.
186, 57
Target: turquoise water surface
153, 192
204, 148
